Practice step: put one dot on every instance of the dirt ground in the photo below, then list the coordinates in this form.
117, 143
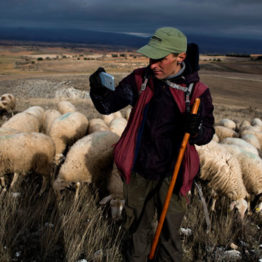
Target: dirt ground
39, 75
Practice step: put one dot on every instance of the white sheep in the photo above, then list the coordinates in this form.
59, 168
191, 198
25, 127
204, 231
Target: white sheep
97, 124
223, 173
215, 138
4, 131
256, 122
65, 130
110, 117
251, 168
242, 124
37, 111
241, 143
258, 208
23, 122
116, 194
66, 107
223, 132
253, 130
128, 112
252, 139
49, 117
90, 160
24, 152
118, 125
7, 102
227, 123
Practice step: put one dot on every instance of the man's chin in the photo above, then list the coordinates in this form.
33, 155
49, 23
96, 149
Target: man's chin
159, 76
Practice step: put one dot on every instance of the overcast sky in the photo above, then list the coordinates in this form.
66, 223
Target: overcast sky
222, 17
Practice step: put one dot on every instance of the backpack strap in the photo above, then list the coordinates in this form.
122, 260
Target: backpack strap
188, 93
186, 89
145, 81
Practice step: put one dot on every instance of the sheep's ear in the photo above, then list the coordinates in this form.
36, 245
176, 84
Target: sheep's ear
105, 200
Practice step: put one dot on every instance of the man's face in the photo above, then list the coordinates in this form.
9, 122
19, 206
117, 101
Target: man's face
167, 66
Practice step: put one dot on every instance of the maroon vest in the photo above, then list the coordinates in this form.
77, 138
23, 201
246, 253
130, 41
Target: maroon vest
124, 150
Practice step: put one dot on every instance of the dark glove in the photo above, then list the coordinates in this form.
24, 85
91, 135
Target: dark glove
192, 123
95, 81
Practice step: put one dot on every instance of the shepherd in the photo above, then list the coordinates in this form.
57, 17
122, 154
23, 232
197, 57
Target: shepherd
161, 96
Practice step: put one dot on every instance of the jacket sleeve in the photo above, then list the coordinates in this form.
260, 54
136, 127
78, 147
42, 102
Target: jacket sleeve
207, 130
107, 101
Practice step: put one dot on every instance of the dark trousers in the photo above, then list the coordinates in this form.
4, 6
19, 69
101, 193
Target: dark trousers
143, 198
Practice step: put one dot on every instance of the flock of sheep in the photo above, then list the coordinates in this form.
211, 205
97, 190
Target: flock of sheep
62, 142
232, 165
65, 148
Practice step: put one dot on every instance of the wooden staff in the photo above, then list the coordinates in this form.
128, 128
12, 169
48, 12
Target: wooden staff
172, 184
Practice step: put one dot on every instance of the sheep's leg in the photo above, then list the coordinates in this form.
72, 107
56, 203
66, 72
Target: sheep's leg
214, 200
15, 177
3, 185
77, 190
249, 211
43, 187
213, 206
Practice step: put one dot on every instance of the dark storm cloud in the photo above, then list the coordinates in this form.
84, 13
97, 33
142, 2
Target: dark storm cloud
224, 17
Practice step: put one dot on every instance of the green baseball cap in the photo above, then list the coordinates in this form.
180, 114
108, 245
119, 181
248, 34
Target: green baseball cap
165, 41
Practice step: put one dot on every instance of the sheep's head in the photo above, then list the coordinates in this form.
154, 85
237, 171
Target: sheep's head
258, 208
241, 205
116, 206
3, 105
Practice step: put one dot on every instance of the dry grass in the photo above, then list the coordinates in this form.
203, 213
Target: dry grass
35, 228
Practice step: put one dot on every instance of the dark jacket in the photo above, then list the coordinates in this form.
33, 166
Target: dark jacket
137, 141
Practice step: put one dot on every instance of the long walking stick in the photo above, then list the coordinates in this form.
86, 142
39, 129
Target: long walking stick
172, 184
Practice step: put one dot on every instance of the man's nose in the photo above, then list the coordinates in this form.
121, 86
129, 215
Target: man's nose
153, 65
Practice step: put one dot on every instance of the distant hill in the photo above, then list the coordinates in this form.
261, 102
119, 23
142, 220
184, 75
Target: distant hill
212, 45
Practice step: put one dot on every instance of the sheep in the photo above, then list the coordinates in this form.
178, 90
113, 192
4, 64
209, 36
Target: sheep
97, 124
243, 124
258, 208
252, 139
118, 125
116, 194
65, 130
4, 131
251, 169
223, 132
227, 123
241, 143
24, 152
128, 112
110, 117
37, 111
223, 173
49, 117
7, 103
256, 122
90, 160
255, 131
66, 107
23, 122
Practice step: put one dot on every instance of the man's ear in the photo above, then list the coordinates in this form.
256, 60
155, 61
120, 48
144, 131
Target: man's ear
181, 57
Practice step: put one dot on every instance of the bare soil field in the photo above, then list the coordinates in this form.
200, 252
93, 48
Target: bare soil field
34, 74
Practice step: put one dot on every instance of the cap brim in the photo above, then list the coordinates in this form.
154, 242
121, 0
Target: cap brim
152, 52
